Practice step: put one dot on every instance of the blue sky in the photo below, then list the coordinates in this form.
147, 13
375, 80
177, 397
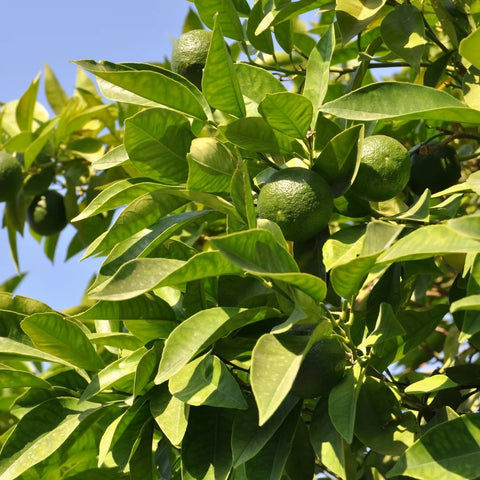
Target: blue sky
55, 32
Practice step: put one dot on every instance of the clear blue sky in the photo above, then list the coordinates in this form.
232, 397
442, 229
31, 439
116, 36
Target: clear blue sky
55, 32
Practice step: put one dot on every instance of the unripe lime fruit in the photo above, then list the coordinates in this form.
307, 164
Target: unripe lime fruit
436, 169
299, 200
384, 169
11, 176
189, 54
46, 214
322, 368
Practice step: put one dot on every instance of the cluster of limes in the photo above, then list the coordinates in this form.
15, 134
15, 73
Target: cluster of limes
46, 213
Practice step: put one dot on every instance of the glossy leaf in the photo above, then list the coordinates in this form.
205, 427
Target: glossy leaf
432, 384
248, 437
63, 338
144, 87
117, 370
200, 331
289, 113
354, 15
469, 48
207, 381
395, 100
318, 71
255, 134
11, 378
450, 449
220, 84
339, 160
56, 96
206, 451
157, 141
26, 106
404, 33
227, 16
170, 413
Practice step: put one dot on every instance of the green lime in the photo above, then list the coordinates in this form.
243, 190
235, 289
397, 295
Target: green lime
384, 169
11, 176
189, 54
434, 167
298, 200
322, 368
46, 214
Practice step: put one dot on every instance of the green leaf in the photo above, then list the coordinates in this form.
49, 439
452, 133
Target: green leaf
113, 158
202, 330
449, 450
269, 463
380, 423
342, 403
141, 463
56, 96
11, 378
157, 141
263, 41
241, 192
469, 48
44, 445
146, 307
122, 368
426, 242
144, 87
276, 360
206, 451
432, 384
354, 15
472, 302
403, 32
33, 150
248, 437
63, 338
255, 134
255, 83
396, 100
339, 160
318, 71
147, 211
328, 444
227, 16
387, 327
144, 274
170, 413
26, 106
219, 83
289, 113
207, 381
116, 195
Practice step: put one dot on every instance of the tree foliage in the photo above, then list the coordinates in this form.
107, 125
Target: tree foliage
178, 364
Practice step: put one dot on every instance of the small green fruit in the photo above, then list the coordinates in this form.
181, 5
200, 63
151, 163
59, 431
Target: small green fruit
11, 177
46, 214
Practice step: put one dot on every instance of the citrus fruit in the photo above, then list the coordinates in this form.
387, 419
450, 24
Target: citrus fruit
384, 169
322, 368
436, 168
298, 200
46, 214
11, 176
189, 54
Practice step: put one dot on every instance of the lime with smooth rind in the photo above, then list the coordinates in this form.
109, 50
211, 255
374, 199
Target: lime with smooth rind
190, 53
11, 176
298, 200
384, 169
46, 214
